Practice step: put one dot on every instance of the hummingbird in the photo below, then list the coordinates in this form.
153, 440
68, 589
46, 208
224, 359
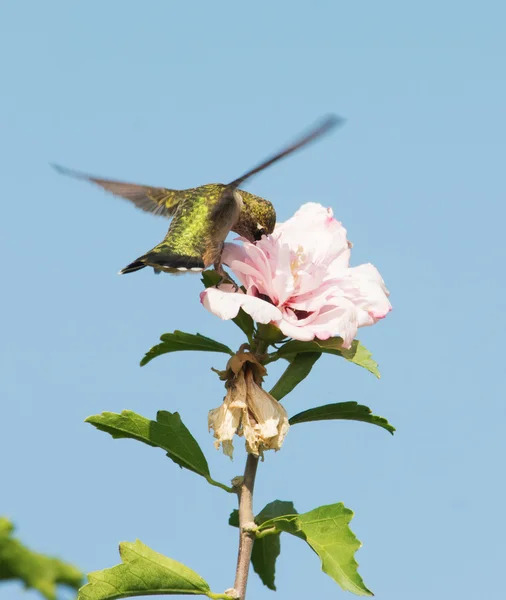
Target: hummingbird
203, 216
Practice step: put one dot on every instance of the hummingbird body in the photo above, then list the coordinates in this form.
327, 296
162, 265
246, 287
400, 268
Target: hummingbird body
194, 239
202, 216
201, 224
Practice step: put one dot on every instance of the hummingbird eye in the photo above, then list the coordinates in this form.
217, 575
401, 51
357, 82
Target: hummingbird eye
259, 232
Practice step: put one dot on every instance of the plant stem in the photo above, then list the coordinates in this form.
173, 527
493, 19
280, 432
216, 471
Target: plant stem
227, 488
246, 523
246, 515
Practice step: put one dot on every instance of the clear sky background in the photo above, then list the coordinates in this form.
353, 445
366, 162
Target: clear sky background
185, 93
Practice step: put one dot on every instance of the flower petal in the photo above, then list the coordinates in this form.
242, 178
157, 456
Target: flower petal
314, 228
226, 305
226, 419
338, 318
299, 277
369, 294
265, 424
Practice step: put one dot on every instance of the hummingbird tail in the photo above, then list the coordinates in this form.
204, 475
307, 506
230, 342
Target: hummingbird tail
132, 267
169, 263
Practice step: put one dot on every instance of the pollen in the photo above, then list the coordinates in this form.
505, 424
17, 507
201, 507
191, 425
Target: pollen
298, 258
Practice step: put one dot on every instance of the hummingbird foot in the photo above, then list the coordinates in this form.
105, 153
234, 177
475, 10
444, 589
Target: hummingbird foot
225, 277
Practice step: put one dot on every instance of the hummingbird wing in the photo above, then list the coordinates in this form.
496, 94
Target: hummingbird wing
155, 200
326, 125
223, 209
249, 223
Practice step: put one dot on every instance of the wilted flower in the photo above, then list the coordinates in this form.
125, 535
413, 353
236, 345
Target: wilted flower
248, 409
299, 278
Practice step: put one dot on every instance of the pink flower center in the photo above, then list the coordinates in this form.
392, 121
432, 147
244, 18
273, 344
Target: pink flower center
301, 314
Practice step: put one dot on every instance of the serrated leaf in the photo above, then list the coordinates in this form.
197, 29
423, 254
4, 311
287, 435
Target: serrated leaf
168, 432
34, 570
351, 411
326, 530
144, 572
357, 354
180, 341
299, 368
243, 320
266, 549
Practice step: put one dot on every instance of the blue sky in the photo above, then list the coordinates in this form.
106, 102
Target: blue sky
180, 94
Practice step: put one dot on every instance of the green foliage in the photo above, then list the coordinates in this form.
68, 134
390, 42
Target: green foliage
168, 432
245, 323
351, 411
34, 570
144, 572
270, 333
299, 368
179, 341
357, 354
210, 278
266, 549
326, 530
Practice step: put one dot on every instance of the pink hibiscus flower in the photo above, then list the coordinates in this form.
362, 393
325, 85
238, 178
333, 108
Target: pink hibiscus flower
299, 279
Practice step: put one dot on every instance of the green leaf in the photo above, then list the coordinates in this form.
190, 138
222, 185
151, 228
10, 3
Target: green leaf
243, 320
326, 530
179, 341
34, 570
299, 368
278, 508
245, 323
263, 558
144, 572
168, 432
357, 354
270, 333
351, 411
266, 549
210, 278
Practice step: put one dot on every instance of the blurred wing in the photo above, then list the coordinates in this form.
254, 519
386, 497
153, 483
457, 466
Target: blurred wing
323, 127
155, 200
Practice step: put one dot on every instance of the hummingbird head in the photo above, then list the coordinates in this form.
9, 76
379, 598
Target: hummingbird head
257, 217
